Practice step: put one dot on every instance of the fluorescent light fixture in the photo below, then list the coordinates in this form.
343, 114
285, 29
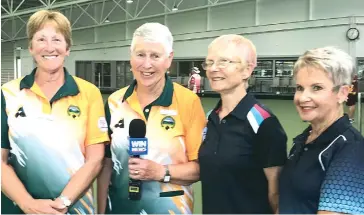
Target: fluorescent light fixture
129, 1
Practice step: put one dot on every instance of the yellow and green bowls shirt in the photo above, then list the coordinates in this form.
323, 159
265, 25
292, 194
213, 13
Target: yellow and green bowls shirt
174, 122
47, 139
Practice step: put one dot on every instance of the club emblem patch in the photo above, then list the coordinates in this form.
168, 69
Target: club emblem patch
168, 123
73, 111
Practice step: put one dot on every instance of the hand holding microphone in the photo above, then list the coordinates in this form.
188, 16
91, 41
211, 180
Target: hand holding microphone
140, 169
145, 170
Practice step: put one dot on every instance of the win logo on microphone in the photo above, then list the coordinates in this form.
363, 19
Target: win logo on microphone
138, 146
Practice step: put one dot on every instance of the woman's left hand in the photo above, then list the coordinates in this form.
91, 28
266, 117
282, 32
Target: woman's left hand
145, 170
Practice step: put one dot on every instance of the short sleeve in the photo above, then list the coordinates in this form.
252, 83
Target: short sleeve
96, 123
271, 145
5, 144
342, 190
108, 120
194, 129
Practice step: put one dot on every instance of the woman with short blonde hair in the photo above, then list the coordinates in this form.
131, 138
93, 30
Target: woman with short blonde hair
53, 128
324, 172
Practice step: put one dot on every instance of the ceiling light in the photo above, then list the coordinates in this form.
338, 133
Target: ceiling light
107, 20
175, 8
129, 1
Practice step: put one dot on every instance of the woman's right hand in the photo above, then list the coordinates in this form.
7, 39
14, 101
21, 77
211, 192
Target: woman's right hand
42, 206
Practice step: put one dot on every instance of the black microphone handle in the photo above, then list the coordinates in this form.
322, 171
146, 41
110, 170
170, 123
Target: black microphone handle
135, 156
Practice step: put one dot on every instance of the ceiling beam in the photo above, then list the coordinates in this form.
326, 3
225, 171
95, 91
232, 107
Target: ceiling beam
165, 6
142, 9
121, 7
56, 5
16, 9
5, 10
45, 5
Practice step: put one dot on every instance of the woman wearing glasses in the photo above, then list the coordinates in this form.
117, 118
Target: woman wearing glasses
324, 172
245, 145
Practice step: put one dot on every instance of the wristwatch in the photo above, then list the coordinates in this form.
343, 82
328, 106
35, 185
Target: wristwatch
66, 201
167, 176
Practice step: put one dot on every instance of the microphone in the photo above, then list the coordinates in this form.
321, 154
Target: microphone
138, 145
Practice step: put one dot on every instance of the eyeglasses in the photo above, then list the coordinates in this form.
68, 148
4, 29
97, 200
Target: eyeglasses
221, 64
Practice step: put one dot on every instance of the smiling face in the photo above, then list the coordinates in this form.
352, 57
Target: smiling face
49, 48
149, 62
317, 99
226, 70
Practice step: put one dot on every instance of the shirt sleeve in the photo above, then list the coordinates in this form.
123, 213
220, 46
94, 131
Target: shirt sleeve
96, 131
5, 143
108, 120
271, 147
194, 129
342, 190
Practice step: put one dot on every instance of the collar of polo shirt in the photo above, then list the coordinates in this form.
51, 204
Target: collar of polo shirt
338, 127
69, 88
165, 99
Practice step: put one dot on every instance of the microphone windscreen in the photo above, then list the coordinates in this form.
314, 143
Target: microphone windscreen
137, 128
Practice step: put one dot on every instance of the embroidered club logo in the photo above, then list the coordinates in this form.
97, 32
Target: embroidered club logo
168, 123
73, 111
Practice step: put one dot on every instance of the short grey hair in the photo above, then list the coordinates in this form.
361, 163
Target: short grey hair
154, 32
338, 64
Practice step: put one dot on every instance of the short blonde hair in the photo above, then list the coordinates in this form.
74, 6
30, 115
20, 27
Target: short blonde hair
338, 64
248, 50
40, 18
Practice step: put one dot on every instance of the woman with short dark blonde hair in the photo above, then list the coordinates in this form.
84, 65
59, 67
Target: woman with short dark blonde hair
53, 129
61, 24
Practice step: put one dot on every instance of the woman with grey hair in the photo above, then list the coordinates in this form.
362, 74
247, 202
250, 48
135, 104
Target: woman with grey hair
324, 173
174, 120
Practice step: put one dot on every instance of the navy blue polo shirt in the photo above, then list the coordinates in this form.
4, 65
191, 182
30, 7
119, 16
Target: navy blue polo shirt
233, 155
326, 174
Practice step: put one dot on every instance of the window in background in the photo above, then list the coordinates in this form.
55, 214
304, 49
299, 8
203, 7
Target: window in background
18, 68
97, 74
173, 69
120, 74
184, 69
199, 66
264, 68
128, 73
102, 74
284, 68
106, 75
360, 69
